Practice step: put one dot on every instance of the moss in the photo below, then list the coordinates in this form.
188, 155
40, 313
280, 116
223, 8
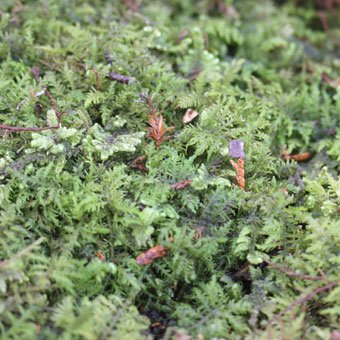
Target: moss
86, 189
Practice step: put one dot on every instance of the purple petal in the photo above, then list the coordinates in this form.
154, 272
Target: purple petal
236, 149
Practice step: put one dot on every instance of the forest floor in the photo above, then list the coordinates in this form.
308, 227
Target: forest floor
169, 169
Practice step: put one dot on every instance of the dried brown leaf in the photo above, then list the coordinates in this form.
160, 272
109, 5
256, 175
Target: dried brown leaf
139, 163
181, 185
189, 115
150, 255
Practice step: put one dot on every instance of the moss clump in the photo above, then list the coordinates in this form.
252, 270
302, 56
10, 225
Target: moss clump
86, 190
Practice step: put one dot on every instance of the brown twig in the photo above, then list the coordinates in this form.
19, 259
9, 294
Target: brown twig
59, 115
181, 185
295, 274
302, 300
240, 173
27, 129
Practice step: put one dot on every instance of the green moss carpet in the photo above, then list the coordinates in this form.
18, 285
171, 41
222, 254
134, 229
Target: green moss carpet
119, 220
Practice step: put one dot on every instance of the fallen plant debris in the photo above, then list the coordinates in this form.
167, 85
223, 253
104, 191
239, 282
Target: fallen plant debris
334, 83
240, 173
157, 130
302, 157
59, 116
34, 95
181, 185
151, 254
220, 6
236, 150
120, 78
199, 232
100, 256
292, 273
139, 163
189, 115
302, 300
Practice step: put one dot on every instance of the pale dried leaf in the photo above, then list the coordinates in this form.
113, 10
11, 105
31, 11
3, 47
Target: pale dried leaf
189, 116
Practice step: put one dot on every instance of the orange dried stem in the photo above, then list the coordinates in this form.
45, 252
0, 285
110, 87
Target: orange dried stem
240, 173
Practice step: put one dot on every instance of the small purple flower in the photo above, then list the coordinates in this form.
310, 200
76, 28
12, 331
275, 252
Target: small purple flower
236, 149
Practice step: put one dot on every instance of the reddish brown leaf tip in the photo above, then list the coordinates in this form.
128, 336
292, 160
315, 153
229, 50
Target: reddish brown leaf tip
157, 130
240, 172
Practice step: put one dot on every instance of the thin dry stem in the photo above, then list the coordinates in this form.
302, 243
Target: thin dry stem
295, 274
302, 300
37, 129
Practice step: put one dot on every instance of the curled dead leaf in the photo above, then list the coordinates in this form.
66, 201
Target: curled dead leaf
151, 254
189, 115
